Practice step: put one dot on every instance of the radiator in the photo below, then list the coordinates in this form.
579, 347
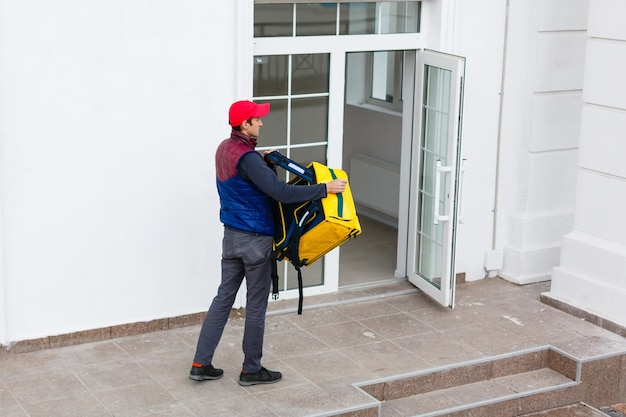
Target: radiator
375, 184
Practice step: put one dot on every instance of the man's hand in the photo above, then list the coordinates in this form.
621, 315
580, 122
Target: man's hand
336, 186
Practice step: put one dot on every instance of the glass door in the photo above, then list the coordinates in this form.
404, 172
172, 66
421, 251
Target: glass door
436, 180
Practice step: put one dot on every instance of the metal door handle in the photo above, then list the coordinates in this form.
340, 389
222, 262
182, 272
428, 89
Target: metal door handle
461, 178
436, 216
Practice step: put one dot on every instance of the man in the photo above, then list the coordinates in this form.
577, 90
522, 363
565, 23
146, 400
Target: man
246, 186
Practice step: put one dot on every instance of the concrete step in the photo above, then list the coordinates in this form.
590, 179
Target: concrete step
516, 384
492, 394
616, 410
503, 386
573, 410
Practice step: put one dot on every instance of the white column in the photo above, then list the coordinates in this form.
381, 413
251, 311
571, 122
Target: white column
539, 136
592, 272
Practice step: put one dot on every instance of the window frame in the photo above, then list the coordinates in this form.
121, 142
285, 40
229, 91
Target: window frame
378, 27
396, 103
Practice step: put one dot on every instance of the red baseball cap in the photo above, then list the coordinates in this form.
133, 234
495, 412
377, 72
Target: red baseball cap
243, 110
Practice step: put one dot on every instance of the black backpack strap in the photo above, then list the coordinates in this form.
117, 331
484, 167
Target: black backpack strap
274, 278
300, 290
287, 164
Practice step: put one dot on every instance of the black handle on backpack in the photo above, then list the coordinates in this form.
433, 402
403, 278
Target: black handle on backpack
295, 168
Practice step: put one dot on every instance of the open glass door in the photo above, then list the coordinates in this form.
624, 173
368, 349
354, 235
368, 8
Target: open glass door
435, 176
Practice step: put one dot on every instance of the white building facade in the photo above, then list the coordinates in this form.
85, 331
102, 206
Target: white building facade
110, 114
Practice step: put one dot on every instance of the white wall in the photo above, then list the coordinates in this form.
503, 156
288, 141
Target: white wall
592, 272
539, 137
482, 44
109, 116
367, 129
373, 133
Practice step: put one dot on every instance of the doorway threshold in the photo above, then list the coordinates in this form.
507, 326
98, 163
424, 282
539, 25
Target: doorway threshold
346, 295
372, 284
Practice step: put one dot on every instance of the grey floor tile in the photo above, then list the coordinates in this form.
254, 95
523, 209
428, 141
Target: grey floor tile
589, 346
189, 335
192, 393
482, 335
174, 412
12, 366
73, 406
367, 309
478, 391
47, 386
319, 317
387, 410
151, 343
111, 374
350, 333
396, 325
537, 379
281, 323
321, 299
298, 401
163, 366
342, 389
514, 347
13, 411
437, 350
527, 325
294, 343
137, 400
574, 410
382, 357
92, 353
231, 407
425, 403
412, 302
291, 377
321, 366
441, 318
7, 399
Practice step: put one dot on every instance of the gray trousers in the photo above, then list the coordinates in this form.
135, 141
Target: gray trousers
249, 255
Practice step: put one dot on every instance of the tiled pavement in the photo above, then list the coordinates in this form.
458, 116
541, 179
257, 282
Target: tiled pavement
341, 339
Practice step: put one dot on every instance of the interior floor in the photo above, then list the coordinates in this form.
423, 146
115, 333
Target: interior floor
370, 257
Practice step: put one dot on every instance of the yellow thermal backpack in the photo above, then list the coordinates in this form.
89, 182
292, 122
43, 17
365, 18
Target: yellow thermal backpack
307, 231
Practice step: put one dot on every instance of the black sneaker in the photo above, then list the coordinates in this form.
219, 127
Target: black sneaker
201, 373
261, 377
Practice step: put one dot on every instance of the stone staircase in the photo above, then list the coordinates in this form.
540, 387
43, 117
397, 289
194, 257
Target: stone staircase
573, 410
511, 385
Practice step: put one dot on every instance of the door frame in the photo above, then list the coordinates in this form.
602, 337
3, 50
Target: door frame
447, 222
338, 47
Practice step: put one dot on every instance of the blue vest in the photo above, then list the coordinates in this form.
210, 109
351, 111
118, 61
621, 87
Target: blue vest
243, 206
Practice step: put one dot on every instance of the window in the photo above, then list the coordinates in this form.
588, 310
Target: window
385, 79
297, 88
275, 19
